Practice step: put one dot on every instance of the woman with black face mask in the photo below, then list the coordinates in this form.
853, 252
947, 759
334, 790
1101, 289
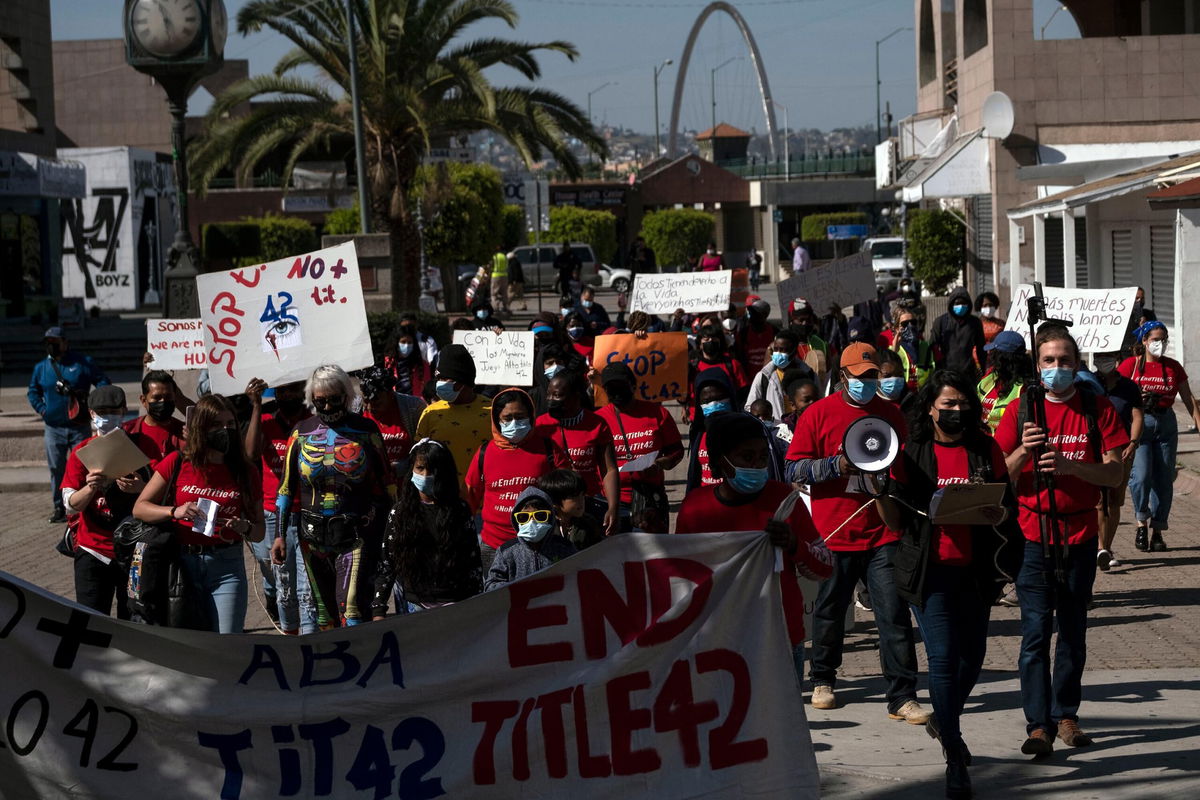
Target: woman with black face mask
950, 574
714, 354
210, 496
337, 476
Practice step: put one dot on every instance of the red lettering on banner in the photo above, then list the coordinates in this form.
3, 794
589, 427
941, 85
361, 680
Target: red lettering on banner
554, 734
659, 572
675, 709
723, 748
600, 602
623, 720
590, 766
522, 619
492, 714
520, 741
237, 276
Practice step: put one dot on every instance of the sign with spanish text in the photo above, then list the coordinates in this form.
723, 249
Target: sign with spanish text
627, 670
504, 359
659, 362
1099, 317
694, 292
280, 321
176, 343
842, 282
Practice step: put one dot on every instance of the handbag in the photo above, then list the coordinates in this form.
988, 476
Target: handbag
68, 545
338, 533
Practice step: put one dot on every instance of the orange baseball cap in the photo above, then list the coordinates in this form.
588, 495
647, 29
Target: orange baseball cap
859, 358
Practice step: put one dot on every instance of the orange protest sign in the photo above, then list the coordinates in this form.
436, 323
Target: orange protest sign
659, 363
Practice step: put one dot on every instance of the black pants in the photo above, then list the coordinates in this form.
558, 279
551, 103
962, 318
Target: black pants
96, 583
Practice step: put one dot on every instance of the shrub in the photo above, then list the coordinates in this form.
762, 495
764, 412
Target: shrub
597, 228
512, 219
281, 237
462, 211
935, 240
343, 222
676, 233
813, 227
229, 240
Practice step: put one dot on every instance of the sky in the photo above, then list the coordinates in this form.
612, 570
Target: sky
819, 56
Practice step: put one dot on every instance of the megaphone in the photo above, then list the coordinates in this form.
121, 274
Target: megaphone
871, 444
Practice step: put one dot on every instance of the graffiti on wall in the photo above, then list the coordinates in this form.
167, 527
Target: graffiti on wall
91, 245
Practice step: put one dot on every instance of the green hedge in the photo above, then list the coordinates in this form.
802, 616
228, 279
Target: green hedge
674, 234
343, 222
383, 325
813, 227
597, 228
256, 240
282, 237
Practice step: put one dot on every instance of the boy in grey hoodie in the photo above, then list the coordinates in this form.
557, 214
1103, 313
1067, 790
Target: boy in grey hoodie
537, 545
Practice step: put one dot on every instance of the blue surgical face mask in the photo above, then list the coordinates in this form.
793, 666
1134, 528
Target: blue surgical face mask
105, 425
405, 349
566, 311
534, 531
553, 370
446, 391
781, 360
481, 313
891, 388
1058, 379
861, 391
516, 429
715, 407
746, 480
585, 303
424, 483
961, 309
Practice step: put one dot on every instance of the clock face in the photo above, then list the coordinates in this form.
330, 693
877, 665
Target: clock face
220, 25
165, 27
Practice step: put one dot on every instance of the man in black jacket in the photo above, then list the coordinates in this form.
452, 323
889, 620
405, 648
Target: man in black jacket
957, 336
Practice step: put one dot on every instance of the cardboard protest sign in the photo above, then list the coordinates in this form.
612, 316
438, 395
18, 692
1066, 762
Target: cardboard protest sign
694, 292
114, 454
1100, 316
176, 343
842, 282
280, 321
500, 360
659, 363
628, 670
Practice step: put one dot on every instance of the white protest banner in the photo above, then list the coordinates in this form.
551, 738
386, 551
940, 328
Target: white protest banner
279, 321
628, 670
500, 360
694, 292
843, 282
1100, 316
176, 343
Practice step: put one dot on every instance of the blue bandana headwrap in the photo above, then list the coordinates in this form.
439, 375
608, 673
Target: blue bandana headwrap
1144, 329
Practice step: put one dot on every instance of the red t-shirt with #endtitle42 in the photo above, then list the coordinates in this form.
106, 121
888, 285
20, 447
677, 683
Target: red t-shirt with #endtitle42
585, 443
275, 435
1163, 377
507, 471
706, 476
819, 433
952, 543
1067, 432
155, 441
96, 522
211, 481
643, 427
397, 439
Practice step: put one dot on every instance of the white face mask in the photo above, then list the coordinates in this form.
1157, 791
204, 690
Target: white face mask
988, 311
1157, 347
105, 425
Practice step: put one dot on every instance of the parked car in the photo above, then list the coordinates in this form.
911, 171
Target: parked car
537, 262
618, 279
887, 259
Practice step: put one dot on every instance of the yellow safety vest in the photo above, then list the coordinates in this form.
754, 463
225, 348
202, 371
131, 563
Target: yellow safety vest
992, 417
917, 374
499, 266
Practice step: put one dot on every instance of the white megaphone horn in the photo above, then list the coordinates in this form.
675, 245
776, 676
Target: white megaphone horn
871, 444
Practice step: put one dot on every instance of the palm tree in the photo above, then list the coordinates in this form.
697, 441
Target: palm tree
419, 82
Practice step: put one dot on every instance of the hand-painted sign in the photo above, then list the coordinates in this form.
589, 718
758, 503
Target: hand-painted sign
504, 359
843, 282
1100, 316
694, 292
659, 362
176, 343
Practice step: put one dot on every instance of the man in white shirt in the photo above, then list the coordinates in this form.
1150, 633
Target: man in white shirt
800, 259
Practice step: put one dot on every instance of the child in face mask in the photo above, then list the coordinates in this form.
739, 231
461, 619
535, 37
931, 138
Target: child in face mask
536, 545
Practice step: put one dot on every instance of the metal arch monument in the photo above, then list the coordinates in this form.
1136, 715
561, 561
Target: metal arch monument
764, 88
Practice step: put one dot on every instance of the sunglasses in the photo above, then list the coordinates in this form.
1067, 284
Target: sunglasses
525, 517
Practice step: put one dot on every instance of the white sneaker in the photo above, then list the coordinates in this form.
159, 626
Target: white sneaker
823, 697
1103, 560
1112, 559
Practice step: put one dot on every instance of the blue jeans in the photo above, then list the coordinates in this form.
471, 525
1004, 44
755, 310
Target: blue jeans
287, 582
1152, 481
754, 279
220, 577
1048, 700
60, 441
897, 650
953, 627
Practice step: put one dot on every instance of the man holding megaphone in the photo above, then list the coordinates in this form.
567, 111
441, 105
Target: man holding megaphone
845, 512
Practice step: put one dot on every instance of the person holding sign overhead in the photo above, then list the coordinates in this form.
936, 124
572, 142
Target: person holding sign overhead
98, 503
1161, 379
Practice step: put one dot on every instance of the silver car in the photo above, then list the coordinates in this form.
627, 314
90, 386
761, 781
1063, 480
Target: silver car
537, 262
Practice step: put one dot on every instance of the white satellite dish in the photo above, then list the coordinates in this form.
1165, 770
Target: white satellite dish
998, 117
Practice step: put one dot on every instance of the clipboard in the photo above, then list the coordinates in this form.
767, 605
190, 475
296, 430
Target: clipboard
968, 504
114, 454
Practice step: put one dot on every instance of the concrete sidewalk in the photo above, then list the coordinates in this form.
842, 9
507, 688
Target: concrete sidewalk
1146, 724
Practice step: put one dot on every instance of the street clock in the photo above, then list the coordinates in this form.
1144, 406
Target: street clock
173, 37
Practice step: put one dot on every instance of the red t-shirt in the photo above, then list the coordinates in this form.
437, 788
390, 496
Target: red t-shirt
1067, 433
706, 476
641, 428
755, 345
1163, 377
275, 434
155, 441
585, 444
703, 511
212, 481
508, 471
819, 434
97, 521
586, 348
952, 543
397, 439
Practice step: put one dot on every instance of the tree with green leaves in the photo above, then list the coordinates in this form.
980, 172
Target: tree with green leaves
597, 228
674, 234
935, 242
420, 81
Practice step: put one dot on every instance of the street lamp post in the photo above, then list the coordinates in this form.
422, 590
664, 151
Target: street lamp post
360, 150
879, 83
787, 156
1061, 7
712, 84
589, 101
657, 132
